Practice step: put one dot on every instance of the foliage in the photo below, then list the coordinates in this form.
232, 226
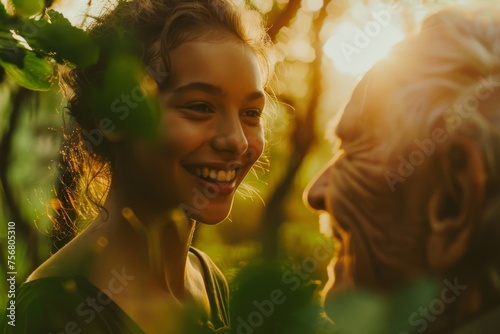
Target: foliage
279, 303
34, 43
380, 314
32, 72
29, 46
27, 8
140, 115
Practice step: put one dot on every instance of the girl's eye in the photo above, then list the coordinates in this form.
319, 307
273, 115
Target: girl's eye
254, 113
200, 107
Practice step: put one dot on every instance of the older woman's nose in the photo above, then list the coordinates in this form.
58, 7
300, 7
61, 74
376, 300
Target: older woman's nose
315, 193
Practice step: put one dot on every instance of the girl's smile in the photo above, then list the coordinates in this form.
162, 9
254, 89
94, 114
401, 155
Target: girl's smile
211, 132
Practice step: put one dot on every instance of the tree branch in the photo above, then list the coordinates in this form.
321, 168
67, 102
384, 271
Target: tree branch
23, 230
302, 139
284, 18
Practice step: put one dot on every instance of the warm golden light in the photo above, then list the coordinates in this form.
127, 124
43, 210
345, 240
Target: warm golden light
325, 225
313, 5
76, 11
355, 47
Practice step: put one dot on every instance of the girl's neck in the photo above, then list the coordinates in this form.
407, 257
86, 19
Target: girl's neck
152, 246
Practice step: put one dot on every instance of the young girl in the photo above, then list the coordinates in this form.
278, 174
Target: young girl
132, 270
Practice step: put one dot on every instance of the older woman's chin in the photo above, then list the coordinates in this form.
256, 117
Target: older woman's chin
338, 284
339, 277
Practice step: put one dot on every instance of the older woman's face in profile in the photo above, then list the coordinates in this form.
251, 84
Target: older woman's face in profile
378, 234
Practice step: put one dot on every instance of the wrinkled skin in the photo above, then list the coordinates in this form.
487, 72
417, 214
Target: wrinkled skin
371, 222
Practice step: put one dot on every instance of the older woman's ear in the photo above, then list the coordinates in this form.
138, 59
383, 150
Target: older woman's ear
456, 203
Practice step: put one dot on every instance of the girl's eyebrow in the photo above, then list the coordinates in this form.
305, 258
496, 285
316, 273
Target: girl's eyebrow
204, 87
258, 95
215, 90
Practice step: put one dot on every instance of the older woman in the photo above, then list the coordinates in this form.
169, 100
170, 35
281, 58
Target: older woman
414, 189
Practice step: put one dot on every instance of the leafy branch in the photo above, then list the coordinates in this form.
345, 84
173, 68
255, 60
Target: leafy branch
32, 43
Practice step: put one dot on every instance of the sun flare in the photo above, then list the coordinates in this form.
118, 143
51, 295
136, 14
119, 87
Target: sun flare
355, 48
76, 11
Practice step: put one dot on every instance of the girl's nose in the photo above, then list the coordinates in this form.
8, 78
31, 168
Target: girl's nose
230, 137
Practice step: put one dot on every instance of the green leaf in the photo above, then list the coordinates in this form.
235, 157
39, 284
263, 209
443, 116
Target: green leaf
27, 7
408, 301
15, 57
37, 73
10, 52
124, 101
350, 306
9, 22
3, 14
63, 41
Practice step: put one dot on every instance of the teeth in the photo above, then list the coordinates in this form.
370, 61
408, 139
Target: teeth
219, 175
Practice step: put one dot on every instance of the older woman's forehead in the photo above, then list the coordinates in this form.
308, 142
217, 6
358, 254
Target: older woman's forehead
365, 109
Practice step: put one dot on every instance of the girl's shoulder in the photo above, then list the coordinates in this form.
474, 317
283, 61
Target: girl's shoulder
72, 260
217, 289
69, 305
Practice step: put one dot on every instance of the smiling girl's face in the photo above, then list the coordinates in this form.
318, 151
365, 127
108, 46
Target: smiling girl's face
211, 132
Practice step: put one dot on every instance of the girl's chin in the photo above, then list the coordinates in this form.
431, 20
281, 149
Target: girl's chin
209, 221
211, 218
214, 211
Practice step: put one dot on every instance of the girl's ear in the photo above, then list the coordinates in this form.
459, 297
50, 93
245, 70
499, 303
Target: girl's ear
455, 204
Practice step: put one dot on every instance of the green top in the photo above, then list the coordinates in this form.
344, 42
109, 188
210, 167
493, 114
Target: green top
54, 305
